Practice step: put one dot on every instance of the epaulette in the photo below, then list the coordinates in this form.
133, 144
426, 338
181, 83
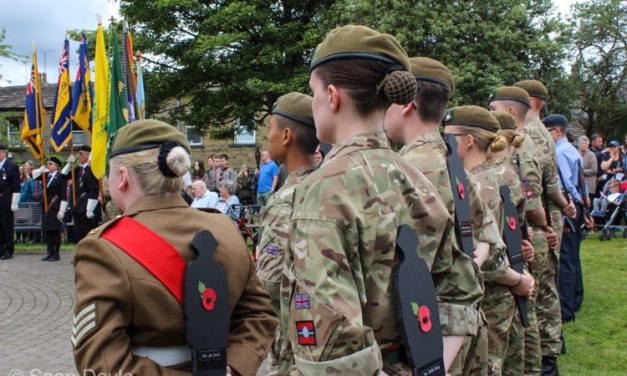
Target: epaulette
98, 231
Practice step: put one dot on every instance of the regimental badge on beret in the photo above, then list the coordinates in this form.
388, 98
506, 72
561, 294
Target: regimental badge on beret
450, 114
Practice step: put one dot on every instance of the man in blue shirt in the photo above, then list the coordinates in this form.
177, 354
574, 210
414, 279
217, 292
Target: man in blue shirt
569, 162
268, 178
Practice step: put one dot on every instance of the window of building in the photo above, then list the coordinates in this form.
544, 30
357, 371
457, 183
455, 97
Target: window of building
79, 137
13, 132
193, 136
243, 136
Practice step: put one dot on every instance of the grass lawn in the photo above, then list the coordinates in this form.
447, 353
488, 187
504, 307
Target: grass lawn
596, 342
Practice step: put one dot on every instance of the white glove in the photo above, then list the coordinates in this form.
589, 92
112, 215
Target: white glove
91, 205
68, 165
15, 201
71, 159
62, 209
37, 173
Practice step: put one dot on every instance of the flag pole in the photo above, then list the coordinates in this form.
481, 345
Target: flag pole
73, 173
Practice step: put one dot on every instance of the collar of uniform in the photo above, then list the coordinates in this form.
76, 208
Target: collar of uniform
155, 202
369, 140
299, 173
480, 167
430, 136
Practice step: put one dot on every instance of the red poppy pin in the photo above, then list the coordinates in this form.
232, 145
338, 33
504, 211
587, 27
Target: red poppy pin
512, 222
423, 316
460, 189
208, 296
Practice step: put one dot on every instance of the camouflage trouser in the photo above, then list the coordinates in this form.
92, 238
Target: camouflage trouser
533, 350
280, 356
548, 309
558, 225
514, 363
499, 309
473, 356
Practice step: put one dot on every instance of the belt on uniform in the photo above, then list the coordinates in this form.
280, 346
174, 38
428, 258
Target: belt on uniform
165, 356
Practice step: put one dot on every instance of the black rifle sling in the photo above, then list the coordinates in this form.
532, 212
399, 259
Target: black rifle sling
513, 237
459, 185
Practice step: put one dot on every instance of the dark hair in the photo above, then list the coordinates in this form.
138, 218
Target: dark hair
373, 85
200, 174
595, 136
305, 135
431, 100
225, 157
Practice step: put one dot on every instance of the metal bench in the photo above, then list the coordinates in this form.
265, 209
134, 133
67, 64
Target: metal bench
27, 219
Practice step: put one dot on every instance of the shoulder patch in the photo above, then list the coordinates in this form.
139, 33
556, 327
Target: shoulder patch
84, 322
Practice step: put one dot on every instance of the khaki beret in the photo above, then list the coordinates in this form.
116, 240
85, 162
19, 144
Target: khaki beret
359, 42
296, 107
506, 121
510, 93
145, 134
426, 69
534, 88
471, 116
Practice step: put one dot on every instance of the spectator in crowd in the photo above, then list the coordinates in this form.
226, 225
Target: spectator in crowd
268, 178
624, 151
203, 198
222, 171
596, 146
198, 172
589, 166
245, 187
611, 161
601, 204
229, 202
210, 175
30, 189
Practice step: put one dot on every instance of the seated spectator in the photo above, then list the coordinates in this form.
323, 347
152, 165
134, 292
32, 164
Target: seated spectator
203, 198
229, 203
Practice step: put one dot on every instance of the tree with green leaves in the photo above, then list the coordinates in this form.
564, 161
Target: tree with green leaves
599, 46
228, 61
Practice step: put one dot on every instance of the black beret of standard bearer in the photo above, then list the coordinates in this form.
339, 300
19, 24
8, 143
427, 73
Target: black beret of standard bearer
555, 120
511, 93
146, 134
471, 116
86, 148
506, 121
534, 88
430, 70
55, 160
355, 41
296, 107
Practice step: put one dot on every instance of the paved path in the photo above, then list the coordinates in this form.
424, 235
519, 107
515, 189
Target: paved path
36, 300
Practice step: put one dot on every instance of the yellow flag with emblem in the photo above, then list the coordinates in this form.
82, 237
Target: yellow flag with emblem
100, 113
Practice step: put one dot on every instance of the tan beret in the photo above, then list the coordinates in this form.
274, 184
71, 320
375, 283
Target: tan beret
145, 134
510, 93
534, 88
359, 42
427, 69
296, 107
471, 116
506, 121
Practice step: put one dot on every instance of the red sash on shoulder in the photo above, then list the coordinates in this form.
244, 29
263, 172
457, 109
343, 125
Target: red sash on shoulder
151, 251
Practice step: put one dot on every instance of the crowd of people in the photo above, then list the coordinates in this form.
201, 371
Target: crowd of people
326, 266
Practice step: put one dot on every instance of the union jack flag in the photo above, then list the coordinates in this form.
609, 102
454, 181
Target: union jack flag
301, 301
34, 113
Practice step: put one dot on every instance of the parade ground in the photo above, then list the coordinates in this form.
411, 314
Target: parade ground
36, 302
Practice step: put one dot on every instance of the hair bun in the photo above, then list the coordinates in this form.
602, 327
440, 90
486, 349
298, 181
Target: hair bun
498, 143
178, 161
399, 87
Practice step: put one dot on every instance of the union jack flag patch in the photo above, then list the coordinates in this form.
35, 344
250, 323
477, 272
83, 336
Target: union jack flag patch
301, 301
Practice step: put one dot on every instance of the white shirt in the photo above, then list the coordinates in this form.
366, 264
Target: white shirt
208, 200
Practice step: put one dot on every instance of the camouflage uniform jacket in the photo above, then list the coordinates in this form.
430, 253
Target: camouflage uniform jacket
506, 173
341, 309
275, 227
531, 175
496, 264
545, 147
464, 285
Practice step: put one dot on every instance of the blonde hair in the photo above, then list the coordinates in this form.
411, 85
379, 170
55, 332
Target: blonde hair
513, 137
486, 140
144, 167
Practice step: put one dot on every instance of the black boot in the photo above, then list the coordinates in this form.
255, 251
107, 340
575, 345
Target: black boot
47, 256
549, 366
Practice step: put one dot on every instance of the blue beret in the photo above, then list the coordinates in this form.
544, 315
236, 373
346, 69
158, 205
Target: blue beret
555, 120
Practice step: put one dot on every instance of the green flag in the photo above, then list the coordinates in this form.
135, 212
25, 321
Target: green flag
118, 106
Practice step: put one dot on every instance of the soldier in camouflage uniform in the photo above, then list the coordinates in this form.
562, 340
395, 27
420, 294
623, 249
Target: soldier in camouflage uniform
416, 125
505, 171
547, 302
515, 101
291, 140
476, 130
342, 317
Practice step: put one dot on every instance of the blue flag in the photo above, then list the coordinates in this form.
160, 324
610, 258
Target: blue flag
34, 113
82, 93
61, 122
